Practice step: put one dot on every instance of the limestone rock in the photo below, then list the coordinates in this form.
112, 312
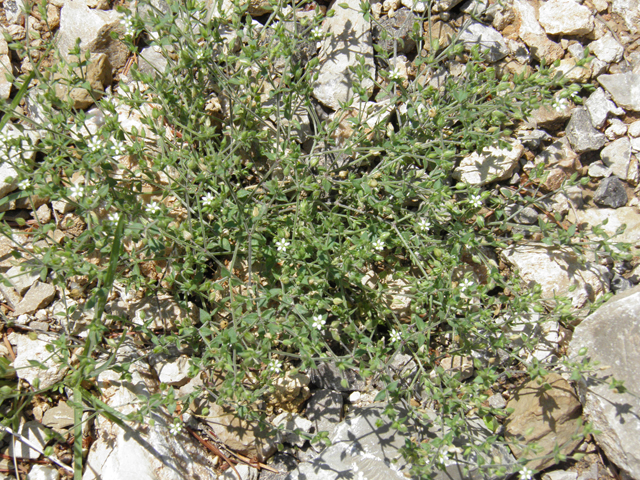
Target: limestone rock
348, 43
135, 451
39, 296
617, 156
43, 472
98, 75
566, 17
293, 424
93, 28
624, 88
553, 415
629, 216
59, 417
599, 107
36, 350
492, 165
329, 376
613, 414
163, 311
560, 161
22, 276
458, 365
556, 271
175, 372
488, 39
607, 49
5, 69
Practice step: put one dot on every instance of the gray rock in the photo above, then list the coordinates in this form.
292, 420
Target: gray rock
59, 418
607, 49
281, 462
611, 193
581, 134
399, 29
624, 88
566, 17
497, 401
245, 471
34, 432
39, 296
629, 10
533, 139
324, 409
620, 284
36, 350
349, 42
548, 417
329, 376
599, 170
522, 215
557, 270
617, 156
152, 61
490, 41
492, 165
618, 352
93, 28
599, 107
23, 276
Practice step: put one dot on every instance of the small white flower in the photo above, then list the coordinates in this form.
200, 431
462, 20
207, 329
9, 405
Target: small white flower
118, 147
476, 201
95, 144
442, 457
207, 199
75, 191
153, 208
114, 217
424, 225
274, 366
199, 54
24, 184
526, 473
282, 245
127, 21
318, 322
378, 245
316, 33
466, 283
175, 429
395, 336
394, 74
560, 104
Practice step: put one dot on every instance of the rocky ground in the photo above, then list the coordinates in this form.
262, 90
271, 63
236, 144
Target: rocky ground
598, 138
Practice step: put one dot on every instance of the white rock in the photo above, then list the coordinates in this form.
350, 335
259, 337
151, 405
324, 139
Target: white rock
5, 69
560, 475
36, 350
607, 49
415, 6
22, 277
42, 472
616, 129
557, 271
533, 35
349, 41
163, 311
599, 107
635, 145
573, 72
487, 38
617, 156
245, 471
599, 170
492, 165
93, 28
175, 372
634, 129
624, 89
36, 433
566, 17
